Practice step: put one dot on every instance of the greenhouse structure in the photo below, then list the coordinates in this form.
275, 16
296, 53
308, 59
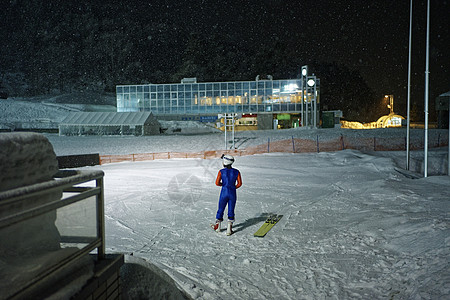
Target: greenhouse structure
110, 123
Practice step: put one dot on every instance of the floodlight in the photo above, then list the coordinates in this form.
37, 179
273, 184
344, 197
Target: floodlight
304, 70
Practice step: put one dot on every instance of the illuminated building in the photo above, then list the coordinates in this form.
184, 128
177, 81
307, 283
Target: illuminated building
277, 100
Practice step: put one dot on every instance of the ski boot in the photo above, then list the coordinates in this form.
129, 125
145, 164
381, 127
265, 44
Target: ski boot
216, 226
230, 228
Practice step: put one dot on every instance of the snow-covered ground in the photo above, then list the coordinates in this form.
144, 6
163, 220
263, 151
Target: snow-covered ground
18, 113
353, 226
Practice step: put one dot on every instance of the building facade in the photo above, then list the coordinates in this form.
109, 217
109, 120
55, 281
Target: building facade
192, 100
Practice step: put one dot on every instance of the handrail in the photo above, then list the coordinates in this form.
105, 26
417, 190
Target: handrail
45, 208
64, 181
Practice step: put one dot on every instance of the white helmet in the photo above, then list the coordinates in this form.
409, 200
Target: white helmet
227, 160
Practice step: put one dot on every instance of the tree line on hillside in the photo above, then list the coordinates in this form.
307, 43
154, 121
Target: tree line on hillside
66, 46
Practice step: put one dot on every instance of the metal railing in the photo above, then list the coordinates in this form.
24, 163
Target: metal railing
68, 182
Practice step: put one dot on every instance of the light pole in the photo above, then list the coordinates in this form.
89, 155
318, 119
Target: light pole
311, 82
390, 98
427, 74
408, 110
304, 74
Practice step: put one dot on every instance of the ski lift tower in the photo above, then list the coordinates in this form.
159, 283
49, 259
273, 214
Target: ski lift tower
309, 99
229, 121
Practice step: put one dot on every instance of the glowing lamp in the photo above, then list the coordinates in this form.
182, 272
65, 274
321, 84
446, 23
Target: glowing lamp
311, 82
304, 70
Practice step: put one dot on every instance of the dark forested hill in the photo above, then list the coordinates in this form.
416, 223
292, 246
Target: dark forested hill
358, 50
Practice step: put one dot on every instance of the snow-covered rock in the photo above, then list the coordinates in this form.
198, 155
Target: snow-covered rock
26, 159
32, 246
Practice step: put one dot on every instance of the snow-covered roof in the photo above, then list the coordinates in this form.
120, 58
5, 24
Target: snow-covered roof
109, 118
445, 94
443, 102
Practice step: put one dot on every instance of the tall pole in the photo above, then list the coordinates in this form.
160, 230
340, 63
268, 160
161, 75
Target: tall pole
225, 129
408, 120
233, 119
307, 108
304, 105
311, 86
301, 105
315, 102
427, 74
315, 109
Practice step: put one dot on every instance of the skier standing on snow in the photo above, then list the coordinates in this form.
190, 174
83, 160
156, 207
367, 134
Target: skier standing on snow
230, 180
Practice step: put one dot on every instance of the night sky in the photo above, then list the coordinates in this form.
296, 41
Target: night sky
368, 37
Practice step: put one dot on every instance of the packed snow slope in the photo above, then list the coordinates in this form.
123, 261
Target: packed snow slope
353, 227
47, 111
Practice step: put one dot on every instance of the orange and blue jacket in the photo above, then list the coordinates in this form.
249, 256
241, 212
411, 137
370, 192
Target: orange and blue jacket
229, 178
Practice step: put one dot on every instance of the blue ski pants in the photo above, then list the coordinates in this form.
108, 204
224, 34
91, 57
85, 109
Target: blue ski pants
227, 197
